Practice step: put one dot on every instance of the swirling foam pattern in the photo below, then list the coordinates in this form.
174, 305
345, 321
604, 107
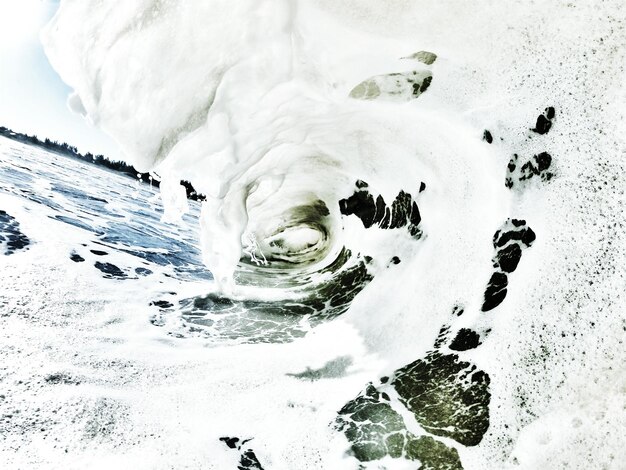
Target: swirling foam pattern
439, 180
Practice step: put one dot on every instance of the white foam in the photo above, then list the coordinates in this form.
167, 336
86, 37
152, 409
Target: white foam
249, 101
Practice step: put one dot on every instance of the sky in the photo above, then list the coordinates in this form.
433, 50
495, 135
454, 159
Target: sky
32, 96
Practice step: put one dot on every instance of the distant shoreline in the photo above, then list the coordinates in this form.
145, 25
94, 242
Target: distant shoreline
100, 160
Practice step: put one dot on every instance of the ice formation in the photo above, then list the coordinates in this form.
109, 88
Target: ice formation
446, 177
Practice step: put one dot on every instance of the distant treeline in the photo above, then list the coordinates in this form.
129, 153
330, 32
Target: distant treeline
100, 160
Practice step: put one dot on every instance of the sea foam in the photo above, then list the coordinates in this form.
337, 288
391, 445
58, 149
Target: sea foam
273, 109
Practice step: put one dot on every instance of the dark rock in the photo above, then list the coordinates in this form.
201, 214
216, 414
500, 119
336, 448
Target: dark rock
518, 232
10, 232
528, 237
99, 252
367, 422
442, 336
487, 137
143, 271
538, 165
448, 397
395, 86
386, 221
432, 454
375, 430
543, 125
464, 340
395, 260
543, 161
544, 121
162, 303
231, 442
403, 212
157, 320
415, 217
509, 242
458, 310
76, 257
248, 459
508, 257
361, 204
400, 210
380, 210
535, 167
110, 270
423, 56
495, 291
